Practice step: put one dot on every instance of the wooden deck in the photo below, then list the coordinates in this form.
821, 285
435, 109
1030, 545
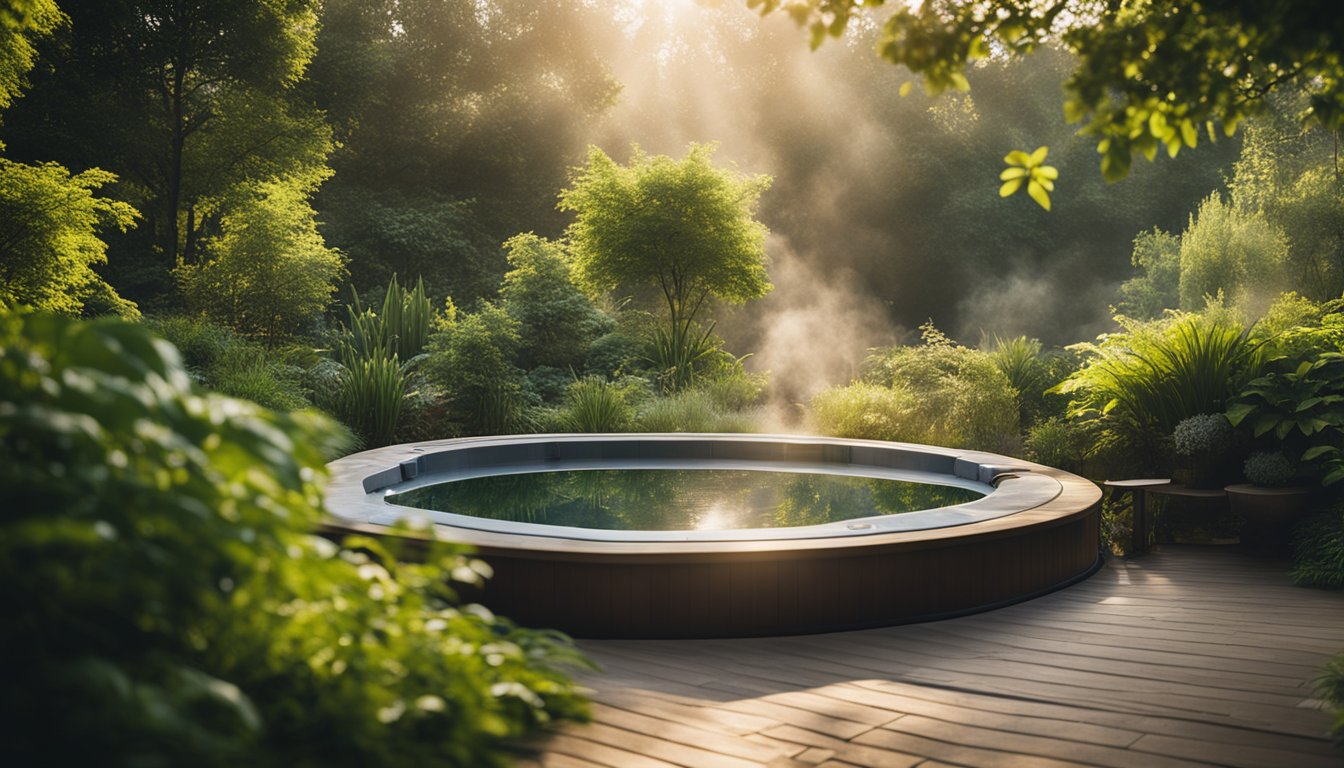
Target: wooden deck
1186, 656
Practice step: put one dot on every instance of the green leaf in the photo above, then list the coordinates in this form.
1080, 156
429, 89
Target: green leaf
1318, 451
1236, 412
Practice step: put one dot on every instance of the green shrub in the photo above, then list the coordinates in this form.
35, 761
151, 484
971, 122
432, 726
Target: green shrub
613, 354
868, 412
1268, 469
1331, 686
733, 389
545, 384
1318, 559
1138, 384
557, 322
692, 410
595, 405
472, 359
220, 359
368, 399
953, 395
166, 603
1060, 442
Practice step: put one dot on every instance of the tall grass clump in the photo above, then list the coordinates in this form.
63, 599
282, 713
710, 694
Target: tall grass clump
220, 359
378, 351
1140, 383
595, 405
938, 392
692, 410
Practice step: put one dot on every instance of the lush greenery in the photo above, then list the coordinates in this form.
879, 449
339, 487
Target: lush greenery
168, 601
683, 230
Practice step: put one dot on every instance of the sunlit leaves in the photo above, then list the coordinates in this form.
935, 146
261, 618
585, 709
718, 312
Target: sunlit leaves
1029, 170
1149, 73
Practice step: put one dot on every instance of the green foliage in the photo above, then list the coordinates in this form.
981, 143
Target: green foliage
229, 364
49, 244
557, 322
617, 352
1149, 75
678, 354
1299, 403
1228, 252
1060, 442
1289, 172
1031, 170
400, 328
1268, 469
167, 602
1138, 384
684, 230
369, 398
1157, 287
1318, 555
866, 411
473, 360
21, 21
957, 396
268, 273
596, 405
1030, 371
1331, 686
691, 410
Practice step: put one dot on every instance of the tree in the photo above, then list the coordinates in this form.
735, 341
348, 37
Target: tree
1231, 252
1157, 255
457, 121
186, 102
49, 245
557, 322
1151, 74
681, 229
268, 272
20, 22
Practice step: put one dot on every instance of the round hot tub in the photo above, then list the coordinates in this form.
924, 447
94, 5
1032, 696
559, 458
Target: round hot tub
708, 535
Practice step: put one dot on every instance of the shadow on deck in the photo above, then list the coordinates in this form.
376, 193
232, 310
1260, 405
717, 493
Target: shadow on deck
1187, 656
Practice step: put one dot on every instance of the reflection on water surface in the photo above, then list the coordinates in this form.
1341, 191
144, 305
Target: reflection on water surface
679, 499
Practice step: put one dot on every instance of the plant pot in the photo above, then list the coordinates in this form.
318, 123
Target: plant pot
1268, 516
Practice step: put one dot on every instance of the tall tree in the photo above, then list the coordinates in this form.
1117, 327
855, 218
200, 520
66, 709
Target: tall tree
681, 228
185, 101
457, 120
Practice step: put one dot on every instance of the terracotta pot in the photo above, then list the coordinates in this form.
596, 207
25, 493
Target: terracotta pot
1268, 515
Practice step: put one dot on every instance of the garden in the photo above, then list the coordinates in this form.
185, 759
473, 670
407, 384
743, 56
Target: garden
239, 240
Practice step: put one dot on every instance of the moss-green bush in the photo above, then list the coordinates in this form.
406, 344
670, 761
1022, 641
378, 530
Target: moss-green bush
220, 359
692, 410
938, 392
166, 602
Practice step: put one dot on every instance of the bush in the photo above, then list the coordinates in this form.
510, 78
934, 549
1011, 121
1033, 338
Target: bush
692, 410
545, 384
595, 405
166, 602
613, 354
1268, 468
1060, 442
1318, 559
1203, 433
221, 360
867, 412
1331, 686
1138, 384
472, 358
953, 395
557, 322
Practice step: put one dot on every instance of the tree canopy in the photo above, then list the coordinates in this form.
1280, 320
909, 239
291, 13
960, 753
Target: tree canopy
681, 228
1150, 74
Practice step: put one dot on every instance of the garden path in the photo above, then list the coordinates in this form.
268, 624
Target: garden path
1186, 656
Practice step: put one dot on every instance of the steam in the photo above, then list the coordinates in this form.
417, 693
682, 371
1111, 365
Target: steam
811, 332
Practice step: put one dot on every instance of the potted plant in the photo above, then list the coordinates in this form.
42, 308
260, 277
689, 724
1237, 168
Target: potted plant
1268, 506
1202, 439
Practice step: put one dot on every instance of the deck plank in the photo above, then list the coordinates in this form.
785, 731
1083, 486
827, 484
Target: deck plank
1187, 656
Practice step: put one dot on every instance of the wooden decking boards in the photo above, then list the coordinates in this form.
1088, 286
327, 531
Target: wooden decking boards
1187, 656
